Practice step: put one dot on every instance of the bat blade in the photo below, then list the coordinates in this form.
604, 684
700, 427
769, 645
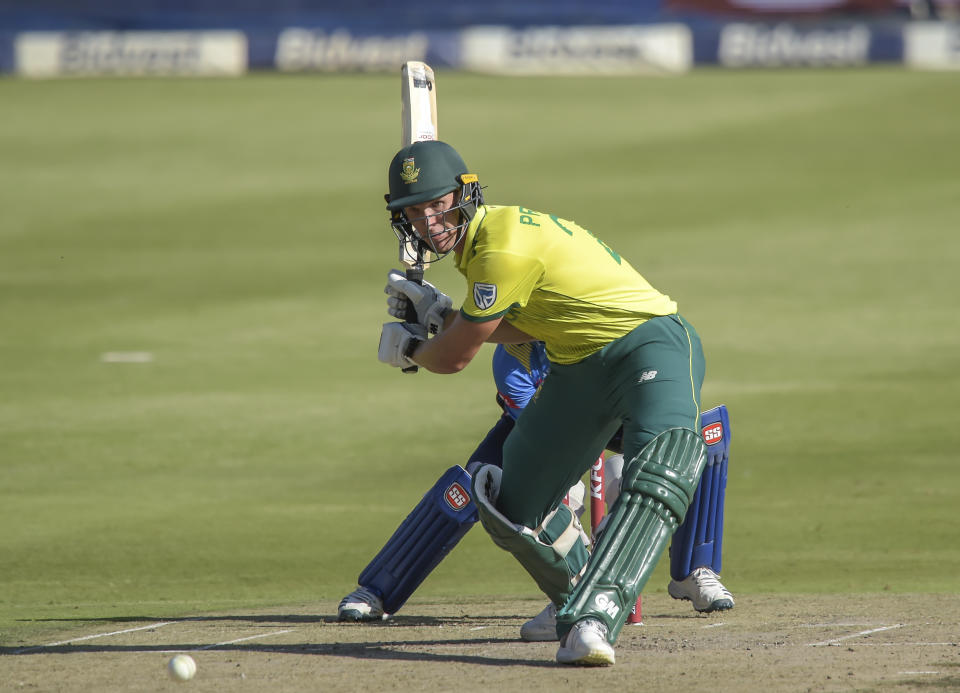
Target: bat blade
418, 103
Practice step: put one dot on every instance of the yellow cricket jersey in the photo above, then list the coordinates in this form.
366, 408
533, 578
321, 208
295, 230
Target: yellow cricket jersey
554, 280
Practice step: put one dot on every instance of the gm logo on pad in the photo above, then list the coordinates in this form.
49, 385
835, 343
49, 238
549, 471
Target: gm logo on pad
606, 603
713, 433
456, 496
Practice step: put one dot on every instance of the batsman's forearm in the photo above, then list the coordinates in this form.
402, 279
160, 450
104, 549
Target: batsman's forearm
455, 347
437, 360
504, 333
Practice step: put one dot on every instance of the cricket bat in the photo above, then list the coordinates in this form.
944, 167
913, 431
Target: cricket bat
418, 103
418, 123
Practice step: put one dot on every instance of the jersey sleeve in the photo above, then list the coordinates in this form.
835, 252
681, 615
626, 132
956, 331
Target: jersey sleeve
497, 281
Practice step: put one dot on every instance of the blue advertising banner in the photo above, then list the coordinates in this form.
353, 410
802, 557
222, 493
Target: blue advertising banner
220, 37
298, 49
783, 44
130, 53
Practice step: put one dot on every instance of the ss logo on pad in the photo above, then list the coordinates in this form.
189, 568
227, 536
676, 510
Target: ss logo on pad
456, 496
713, 433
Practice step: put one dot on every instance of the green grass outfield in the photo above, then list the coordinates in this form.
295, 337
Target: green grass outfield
806, 221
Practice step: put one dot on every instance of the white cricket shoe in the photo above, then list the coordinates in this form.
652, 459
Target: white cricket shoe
586, 645
704, 589
361, 605
542, 627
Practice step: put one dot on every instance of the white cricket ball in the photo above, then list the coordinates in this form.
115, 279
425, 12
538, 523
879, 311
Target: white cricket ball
182, 667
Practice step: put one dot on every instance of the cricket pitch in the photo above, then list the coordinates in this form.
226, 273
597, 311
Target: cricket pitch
883, 642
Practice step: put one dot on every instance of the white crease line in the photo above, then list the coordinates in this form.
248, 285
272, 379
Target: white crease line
715, 625
918, 673
251, 637
907, 644
93, 637
855, 635
851, 624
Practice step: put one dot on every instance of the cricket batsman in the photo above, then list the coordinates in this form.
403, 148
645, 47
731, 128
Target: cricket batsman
620, 355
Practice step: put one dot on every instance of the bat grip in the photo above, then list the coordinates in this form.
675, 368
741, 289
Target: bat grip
414, 274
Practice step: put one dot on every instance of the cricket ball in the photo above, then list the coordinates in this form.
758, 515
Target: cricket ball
182, 667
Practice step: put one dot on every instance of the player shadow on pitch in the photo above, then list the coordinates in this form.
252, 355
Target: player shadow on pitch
253, 618
372, 650
403, 620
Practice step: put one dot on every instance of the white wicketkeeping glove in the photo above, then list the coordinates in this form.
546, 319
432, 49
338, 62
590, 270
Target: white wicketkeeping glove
612, 476
575, 498
396, 342
430, 304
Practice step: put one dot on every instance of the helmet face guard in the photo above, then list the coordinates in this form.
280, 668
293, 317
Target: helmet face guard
417, 250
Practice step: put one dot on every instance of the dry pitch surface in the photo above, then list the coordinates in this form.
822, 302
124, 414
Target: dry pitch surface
767, 643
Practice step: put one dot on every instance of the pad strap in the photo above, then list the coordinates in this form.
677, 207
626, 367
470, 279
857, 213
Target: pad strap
554, 554
657, 487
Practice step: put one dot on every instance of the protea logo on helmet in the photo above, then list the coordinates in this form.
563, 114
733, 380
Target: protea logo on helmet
484, 295
456, 496
409, 171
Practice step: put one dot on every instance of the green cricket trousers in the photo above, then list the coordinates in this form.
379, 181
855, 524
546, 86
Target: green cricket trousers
648, 380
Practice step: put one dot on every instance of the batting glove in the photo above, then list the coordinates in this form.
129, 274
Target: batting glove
430, 304
397, 342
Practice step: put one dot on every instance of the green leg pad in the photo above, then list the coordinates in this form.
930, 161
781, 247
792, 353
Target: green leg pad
555, 553
657, 487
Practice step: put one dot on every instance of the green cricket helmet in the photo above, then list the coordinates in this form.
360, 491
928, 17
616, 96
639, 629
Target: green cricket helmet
425, 171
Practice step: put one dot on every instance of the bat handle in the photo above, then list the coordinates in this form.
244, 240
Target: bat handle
414, 274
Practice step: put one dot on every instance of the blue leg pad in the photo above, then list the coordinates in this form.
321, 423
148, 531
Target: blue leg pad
428, 533
699, 540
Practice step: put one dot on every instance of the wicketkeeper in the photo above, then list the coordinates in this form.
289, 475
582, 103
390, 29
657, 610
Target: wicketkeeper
620, 355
